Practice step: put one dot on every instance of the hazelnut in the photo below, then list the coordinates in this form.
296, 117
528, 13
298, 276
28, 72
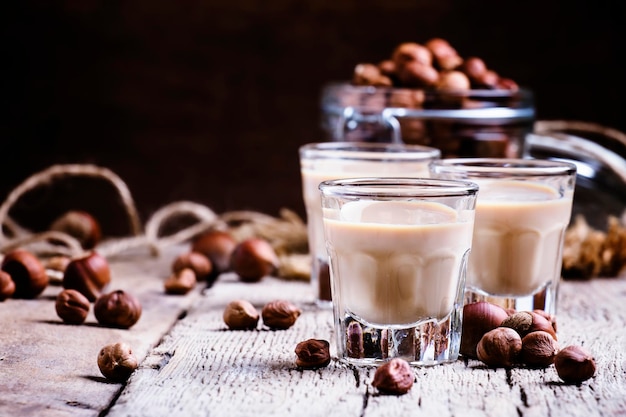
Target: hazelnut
499, 347
117, 309
394, 377
27, 273
416, 74
7, 286
574, 364
478, 318
253, 259
440, 47
280, 314
241, 315
72, 306
313, 354
88, 274
117, 361
453, 80
474, 68
507, 84
524, 322
489, 79
387, 67
218, 246
354, 340
538, 349
80, 225
551, 318
369, 74
180, 282
449, 63
411, 52
199, 264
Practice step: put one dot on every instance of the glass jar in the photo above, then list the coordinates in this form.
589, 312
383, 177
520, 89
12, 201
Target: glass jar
471, 123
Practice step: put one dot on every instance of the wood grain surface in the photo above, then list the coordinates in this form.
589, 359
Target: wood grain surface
192, 365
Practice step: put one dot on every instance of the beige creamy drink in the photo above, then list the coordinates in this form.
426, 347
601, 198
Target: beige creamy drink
398, 262
314, 172
517, 237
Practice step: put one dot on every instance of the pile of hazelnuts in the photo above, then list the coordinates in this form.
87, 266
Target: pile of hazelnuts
217, 251
24, 275
434, 65
501, 338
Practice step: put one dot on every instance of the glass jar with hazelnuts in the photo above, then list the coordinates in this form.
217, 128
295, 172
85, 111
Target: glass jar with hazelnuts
427, 94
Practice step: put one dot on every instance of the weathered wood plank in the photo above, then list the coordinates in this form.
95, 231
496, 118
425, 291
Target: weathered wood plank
201, 368
195, 366
48, 368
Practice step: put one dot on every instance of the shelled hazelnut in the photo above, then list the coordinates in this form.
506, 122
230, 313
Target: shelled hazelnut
27, 273
394, 377
280, 314
538, 349
241, 315
524, 322
253, 259
312, 354
199, 264
500, 347
574, 364
117, 361
118, 309
7, 286
88, 274
80, 225
435, 64
72, 306
217, 245
478, 318
180, 282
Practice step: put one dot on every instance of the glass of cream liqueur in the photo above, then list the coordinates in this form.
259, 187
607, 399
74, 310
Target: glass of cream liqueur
523, 209
333, 160
398, 251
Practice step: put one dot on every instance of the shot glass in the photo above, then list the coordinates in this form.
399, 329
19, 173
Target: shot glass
522, 212
398, 250
334, 160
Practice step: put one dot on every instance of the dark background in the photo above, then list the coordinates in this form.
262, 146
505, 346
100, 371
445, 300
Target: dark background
209, 100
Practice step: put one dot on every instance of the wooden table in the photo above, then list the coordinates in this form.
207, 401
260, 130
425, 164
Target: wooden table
191, 365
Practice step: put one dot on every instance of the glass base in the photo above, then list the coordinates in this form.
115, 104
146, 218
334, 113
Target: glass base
543, 299
428, 343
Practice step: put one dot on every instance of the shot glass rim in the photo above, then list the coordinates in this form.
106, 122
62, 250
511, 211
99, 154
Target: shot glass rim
397, 187
510, 167
371, 151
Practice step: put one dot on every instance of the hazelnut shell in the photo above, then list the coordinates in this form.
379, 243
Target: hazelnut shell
241, 315
72, 306
80, 225
218, 246
499, 347
27, 273
117, 309
313, 354
196, 261
574, 364
7, 286
280, 314
253, 259
478, 318
88, 274
394, 377
117, 361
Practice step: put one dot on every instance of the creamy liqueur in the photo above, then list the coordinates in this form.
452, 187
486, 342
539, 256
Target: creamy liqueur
316, 171
517, 244
398, 262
